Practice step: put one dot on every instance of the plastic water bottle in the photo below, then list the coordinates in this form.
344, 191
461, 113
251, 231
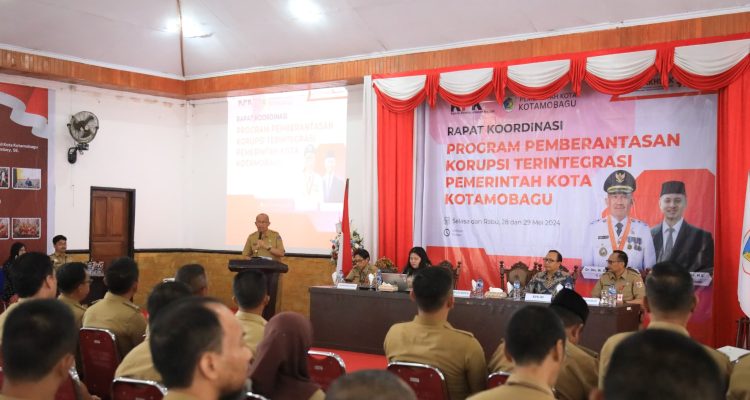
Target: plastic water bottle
516, 289
378, 278
339, 277
568, 285
612, 296
480, 288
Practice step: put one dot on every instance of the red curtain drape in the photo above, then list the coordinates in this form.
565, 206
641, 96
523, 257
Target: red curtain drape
395, 183
733, 163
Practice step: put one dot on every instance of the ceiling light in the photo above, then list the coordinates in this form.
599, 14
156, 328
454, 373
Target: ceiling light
190, 28
305, 10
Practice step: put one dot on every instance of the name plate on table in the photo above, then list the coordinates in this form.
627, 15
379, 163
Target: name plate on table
462, 293
347, 286
592, 301
701, 278
593, 272
538, 298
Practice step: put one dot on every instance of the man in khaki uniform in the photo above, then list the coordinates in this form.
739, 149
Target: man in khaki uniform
627, 281
362, 268
535, 343
739, 382
670, 299
580, 368
74, 284
430, 339
138, 364
251, 296
60, 257
115, 311
264, 242
33, 278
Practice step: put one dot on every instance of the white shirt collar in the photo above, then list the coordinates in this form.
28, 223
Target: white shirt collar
665, 227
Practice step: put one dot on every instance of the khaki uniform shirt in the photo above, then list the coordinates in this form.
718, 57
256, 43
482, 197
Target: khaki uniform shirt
253, 325
739, 382
457, 354
138, 364
4, 397
578, 373
516, 388
359, 275
77, 308
120, 316
59, 261
629, 284
725, 367
271, 237
318, 395
5, 314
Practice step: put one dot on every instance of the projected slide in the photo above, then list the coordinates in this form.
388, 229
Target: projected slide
286, 157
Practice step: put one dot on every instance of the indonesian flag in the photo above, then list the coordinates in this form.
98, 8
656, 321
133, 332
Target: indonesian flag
743, 289
345, 247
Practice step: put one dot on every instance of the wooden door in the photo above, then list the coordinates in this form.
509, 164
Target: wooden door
111, 230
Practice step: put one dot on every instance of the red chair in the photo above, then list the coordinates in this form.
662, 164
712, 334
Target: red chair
130, 389
426, 381
100, 359
324, 367
496, 379
69, 389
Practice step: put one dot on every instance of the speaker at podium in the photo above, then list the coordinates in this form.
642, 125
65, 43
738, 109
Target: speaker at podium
271, 269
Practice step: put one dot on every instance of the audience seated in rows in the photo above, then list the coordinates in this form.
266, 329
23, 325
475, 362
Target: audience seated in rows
194, 276
33, 278
661, 364
251, 296
670, 299
74, 284
371, 384
279, 371
138, 364
116, 312
430, 339
580, 367
197, 348
535, 343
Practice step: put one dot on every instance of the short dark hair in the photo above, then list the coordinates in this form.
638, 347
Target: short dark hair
362, 253
621, 256
164, 294
37, 334
432, 287
531, 333
249, 288
180, 334
70, 276
58, 238
193, 275
121, 275
559, 256
661, 364
372, 384
29, 272
669, 288
567, 317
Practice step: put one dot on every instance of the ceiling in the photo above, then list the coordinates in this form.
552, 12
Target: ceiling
251, 35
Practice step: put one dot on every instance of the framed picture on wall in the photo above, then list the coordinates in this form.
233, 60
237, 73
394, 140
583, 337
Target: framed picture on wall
27, 178
4, 228
4, 177
27, 228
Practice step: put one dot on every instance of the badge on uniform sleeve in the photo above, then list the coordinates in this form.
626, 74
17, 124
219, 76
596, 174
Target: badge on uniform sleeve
639, 284
603, 252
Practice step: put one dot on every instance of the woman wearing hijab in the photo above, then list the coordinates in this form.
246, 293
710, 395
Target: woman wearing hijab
279, 370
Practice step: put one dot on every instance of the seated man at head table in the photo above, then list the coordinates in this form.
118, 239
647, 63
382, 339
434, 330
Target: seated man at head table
362, 268
430, 339
535, 343
658, 364
670, 299
60, 256
138, 364
264, 242
580, 369
627, 281
547, 281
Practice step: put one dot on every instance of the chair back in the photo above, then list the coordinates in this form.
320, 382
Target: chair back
521, 272
324, 367
69, 389
426, 381
100, 359
132, 389
496, 379
254, 396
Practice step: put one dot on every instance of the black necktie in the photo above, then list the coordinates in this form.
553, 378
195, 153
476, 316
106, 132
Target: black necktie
619, 228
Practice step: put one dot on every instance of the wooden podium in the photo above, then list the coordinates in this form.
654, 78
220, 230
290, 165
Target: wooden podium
271, 269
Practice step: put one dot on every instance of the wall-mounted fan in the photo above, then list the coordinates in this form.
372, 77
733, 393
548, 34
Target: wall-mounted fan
82, 127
